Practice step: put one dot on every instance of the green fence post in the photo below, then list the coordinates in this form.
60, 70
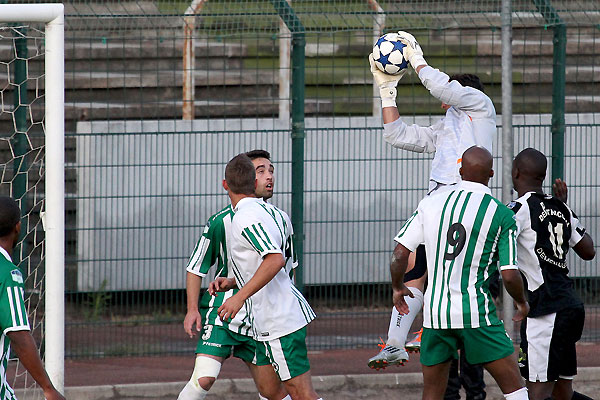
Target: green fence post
559, 42
19, 188
298, 134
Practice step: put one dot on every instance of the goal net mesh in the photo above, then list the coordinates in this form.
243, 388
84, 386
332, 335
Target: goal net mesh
22, 170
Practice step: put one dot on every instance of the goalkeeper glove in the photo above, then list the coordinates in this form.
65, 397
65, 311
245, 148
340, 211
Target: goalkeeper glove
386, 83
412, 52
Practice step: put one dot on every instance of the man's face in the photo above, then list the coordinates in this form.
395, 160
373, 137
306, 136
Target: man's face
265, 179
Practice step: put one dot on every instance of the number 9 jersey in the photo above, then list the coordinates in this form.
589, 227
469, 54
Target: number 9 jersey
468, 235
546, 229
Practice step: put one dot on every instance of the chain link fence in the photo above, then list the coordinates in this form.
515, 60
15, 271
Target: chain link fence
161, 94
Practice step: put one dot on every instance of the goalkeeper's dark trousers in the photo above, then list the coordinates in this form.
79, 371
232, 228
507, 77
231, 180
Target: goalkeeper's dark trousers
469, 376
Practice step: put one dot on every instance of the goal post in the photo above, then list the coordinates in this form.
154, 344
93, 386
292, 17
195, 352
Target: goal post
52, 15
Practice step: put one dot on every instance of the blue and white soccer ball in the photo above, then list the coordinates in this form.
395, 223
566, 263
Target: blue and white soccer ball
387, 54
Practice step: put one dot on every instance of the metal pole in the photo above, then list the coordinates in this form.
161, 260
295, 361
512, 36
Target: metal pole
285, 43
559, 40
507, 137
298, 134
558, 100
189, 59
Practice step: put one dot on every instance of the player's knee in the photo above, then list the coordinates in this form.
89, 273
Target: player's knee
205, 372
206, 382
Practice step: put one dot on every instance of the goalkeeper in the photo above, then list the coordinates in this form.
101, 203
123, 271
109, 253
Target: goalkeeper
470, 120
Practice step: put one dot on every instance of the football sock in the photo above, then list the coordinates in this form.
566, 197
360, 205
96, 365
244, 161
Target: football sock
520, 394
579, 396
400, 324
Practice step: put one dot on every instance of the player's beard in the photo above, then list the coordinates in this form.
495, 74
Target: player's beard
264, 194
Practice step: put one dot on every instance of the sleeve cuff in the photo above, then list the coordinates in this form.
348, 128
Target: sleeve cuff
273, 251
407, 245
17, 329
197, 273
505, 267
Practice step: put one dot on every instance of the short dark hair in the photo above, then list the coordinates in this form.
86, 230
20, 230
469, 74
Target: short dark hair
10, 215
470, 80
254, 154
240, 175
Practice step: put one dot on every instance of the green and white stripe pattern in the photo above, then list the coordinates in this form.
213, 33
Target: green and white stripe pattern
211, 252
474, 232
260, 229
13, 316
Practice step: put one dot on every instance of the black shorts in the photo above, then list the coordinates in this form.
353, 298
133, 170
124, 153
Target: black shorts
420, 265
548, 345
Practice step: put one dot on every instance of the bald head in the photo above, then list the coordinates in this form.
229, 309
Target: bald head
477, 165
529, 170
532, 163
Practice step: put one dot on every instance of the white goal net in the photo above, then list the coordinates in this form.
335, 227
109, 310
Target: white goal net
32, 172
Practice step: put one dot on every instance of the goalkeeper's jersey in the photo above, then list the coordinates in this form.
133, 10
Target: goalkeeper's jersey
470, 121
13, 314
211, 251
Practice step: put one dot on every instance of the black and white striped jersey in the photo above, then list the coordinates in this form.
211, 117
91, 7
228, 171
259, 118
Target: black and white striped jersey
546, 229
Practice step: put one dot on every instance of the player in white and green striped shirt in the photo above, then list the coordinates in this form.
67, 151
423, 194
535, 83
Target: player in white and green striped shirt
220, 339
13, 313
260, 247
467, 233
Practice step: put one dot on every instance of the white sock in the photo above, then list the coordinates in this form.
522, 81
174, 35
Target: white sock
520, 394
400, 324
190, 392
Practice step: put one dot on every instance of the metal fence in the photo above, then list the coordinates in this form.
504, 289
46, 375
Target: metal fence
161, 94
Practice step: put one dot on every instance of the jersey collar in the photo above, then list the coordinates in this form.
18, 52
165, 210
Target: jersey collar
246, 201
5, 254
474, 187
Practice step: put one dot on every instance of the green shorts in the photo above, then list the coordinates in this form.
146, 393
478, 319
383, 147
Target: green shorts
288, 354
480, 345
221, 342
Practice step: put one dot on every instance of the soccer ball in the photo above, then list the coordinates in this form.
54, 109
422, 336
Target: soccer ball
387, 54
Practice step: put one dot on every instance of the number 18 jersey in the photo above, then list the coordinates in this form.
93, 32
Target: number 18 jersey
466, 233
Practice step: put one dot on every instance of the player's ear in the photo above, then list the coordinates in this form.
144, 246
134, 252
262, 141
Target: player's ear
225, 186
460, 172
491, 173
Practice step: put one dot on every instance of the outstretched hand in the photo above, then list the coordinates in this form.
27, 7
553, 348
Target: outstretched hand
560, 190
412, 50
382, 79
